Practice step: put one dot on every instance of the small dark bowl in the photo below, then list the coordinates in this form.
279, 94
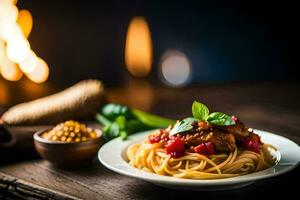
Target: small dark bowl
67, 153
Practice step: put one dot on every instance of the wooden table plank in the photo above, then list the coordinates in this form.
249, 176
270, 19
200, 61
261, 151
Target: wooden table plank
271, 107
98, 183
13, 188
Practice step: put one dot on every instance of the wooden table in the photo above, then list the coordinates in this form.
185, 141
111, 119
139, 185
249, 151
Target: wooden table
268, 106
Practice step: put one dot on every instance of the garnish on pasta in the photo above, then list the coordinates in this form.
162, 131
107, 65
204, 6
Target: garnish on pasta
205, 146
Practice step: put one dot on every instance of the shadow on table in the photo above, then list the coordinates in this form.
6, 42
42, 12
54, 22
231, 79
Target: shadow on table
14, 155
269, 188
99, 177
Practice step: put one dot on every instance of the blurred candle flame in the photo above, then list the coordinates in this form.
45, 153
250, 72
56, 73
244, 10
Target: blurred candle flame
15, 49
10, 70
138, 48
2, 51
8, 13
29, 63
40, 73
25, 21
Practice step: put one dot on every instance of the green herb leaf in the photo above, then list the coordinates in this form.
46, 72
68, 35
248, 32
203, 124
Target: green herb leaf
183, 126
199, 110
134, 126
219, 118
112, 111
121, 121
111, 131
123, 135
102, 120
152, 120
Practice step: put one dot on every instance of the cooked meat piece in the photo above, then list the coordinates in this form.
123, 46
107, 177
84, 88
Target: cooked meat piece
222, 141
194, 139
239, 130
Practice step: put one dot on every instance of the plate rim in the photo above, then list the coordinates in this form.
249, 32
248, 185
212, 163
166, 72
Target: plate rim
168, 180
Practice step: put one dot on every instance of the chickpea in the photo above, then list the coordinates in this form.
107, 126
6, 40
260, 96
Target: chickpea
54, 138
77, 140
72, 134
63, 138
70, 131
93, 135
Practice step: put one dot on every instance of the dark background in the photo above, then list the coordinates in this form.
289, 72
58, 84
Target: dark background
225, 40
251, 45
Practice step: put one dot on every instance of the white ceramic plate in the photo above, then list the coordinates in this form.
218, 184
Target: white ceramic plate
113, 156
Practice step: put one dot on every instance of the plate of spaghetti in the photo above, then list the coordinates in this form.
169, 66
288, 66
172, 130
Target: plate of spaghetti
208, 151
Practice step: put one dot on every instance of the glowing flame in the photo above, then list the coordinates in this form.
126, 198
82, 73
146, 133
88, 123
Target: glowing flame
25, 22
18, 49
15, 49
2, 51
10, 1
10, 70
29, 63
40, 73
8, 13
138, 49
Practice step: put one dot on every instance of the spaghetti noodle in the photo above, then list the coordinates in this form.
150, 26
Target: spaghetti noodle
205, 146
153, 158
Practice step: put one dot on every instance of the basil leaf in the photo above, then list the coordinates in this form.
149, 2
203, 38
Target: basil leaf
102, 120
152, 120
121, 121
112, 111
183, 126
123, 135
199, 110
219, 118
111, 131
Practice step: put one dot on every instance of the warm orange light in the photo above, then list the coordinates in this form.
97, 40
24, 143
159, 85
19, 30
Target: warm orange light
4, 95
40, 73
2, 51
138, 49
25, 22
15, 49
18, 48
9, 1
10, 31
10, 70
8, 12
29, 63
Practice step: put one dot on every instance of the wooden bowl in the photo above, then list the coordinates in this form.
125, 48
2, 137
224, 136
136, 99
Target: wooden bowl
67, 153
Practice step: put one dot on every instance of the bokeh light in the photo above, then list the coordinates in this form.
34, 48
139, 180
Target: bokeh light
10, 70
17, 49
2, 51
175, 68
25, 21
8, 12
10, 31
29, 63
40, 73
138, 49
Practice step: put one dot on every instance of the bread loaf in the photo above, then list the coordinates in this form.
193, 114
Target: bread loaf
80, 101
